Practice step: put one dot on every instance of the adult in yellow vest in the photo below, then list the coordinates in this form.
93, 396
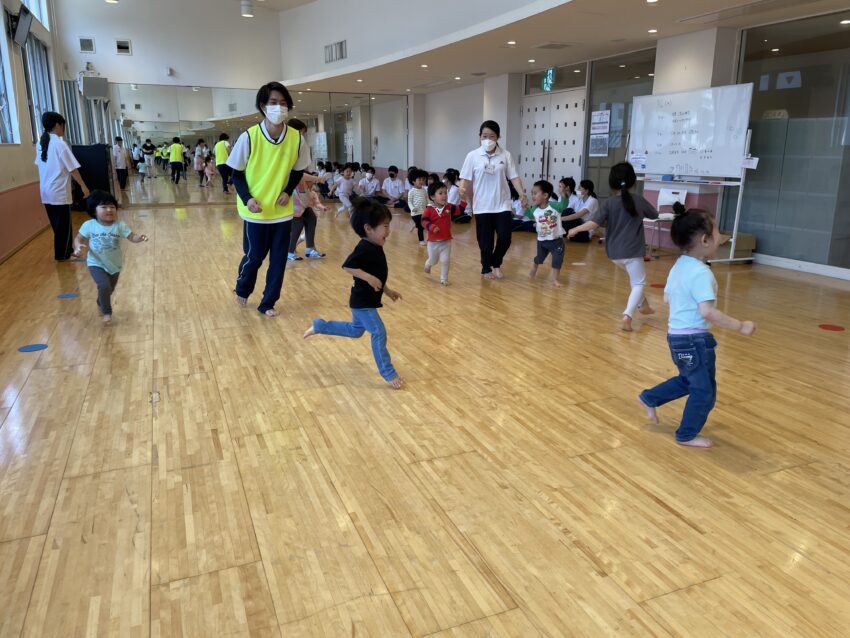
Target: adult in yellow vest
175, 157
222, 152
268, 161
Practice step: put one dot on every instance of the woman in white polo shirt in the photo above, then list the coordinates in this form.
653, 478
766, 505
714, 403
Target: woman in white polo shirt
488, 170
57, 166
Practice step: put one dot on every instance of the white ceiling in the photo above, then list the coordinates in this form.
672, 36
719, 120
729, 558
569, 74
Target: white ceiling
593, 29
279, 5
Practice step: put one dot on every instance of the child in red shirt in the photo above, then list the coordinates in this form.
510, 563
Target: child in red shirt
437, 220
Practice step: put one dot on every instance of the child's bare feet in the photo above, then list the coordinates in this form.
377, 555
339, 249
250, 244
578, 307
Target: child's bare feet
309, 332
645, 309
444, 282
241, 301
699, 441
533, 272
106, 318
396, 383
498, 273
556, 283
489, 275
428, 266
650, 411
627, 323
271, 312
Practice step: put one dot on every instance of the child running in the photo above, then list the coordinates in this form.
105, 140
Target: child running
343, 189
102, 237
368, 265
626, 244
550, 232
417, 199
437, 220
691, 291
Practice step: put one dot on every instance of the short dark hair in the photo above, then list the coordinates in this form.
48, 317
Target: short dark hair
392, 169
355, 166
417, 173
689, 225
589, 186
118, 138
545, 187
147, 141
368, 212
265, 92
200, 141
493, 126
297, 124
223, 136
570, 183
99, 198
174, 140
433, 187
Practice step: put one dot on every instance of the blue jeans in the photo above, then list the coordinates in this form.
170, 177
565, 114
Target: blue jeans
694, 356
362, 320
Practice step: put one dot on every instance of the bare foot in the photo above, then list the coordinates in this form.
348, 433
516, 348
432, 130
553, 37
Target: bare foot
106, 318
309, 332
556, 283
498, 273
428, 267
699, 441
271, 312
645, 309
650, 412
444, 282
241, 301
396, 383
533, 272
627, 323
489, 275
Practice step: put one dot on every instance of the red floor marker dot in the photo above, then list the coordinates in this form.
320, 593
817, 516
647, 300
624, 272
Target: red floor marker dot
656, 285
831, 327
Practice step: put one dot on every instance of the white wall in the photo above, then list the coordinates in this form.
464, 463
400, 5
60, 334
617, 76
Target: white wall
389, 125
685, 62
452, 119
381, 31
503, 104
171, 33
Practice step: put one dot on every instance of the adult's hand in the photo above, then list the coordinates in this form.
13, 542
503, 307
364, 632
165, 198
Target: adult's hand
254, 206
283, 199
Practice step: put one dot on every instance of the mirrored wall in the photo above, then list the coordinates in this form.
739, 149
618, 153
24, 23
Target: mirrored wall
342, 127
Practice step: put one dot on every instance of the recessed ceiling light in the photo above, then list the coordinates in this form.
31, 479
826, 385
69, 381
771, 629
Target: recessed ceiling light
300, 93
774, 50
424, 66
359, 80
844, 22
652, 75
511, 42
532, 61
309, 89
652, 31
576, 70
651, 1
622, 66
373, 98
346, 104
300, 100
637, 77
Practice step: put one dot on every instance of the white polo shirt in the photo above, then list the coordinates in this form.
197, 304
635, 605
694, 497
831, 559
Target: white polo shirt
592, 206
369, 186
55, 174
119, 156
393, 188
489, 175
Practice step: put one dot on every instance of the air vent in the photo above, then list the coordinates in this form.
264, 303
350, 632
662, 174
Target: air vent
123, 107
87, 45
123, 47
745, 8
231, 108
552, 46
138, 107
336, 51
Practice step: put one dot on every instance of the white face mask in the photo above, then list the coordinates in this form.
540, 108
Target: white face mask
276, 113
370, 175
488, 145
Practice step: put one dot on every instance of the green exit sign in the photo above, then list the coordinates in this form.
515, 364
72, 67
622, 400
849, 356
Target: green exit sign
548, 79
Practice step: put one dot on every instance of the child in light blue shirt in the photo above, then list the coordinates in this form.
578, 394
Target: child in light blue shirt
691, 292
102, 237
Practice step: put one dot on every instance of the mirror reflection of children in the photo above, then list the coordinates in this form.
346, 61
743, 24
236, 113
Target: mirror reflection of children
102, 237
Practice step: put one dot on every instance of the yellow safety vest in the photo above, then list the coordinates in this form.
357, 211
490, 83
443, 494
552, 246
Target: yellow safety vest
176, 153
221, 153
267, 173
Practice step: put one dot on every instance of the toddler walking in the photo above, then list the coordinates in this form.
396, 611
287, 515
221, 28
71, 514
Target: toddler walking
417, 199
343, 189
368, 265
437, 220
102, 236
691, 292
550, 231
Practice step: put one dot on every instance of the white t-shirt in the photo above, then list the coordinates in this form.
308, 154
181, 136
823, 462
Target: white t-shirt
591, 204
547, 221
573, 202
55, 174
369, 186
137, 153
489, 175
119, 156
454, 195
394, 188
238, 158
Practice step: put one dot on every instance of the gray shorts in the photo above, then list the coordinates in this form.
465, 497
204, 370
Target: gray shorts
555, 247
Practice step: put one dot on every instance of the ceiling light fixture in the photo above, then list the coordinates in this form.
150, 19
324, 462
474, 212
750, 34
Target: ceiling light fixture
373, 98
111, 1
309, 89
652, 31
424, 66
511, 43
457, 77
247, 9
359, 79
774, 50
652, 75
532, 61
407, 90
637, 77
622, 66
651, 1
844, 22
576, 70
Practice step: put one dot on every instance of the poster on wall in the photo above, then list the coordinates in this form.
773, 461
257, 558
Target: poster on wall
600, 122
599, 145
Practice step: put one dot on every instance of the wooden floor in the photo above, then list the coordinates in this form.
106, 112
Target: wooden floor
197, 469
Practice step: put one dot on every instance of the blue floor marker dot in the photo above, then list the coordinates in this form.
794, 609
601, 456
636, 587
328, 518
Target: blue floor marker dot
68, 295
33, 347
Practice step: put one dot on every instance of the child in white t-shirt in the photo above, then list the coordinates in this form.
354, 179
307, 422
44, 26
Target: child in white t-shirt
344, 189
550, 232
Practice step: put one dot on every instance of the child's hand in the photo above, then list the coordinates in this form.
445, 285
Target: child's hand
78, 253
747, 328
392, 294
254, 206
374, 282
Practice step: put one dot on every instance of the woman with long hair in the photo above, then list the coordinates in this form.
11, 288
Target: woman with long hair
57, 166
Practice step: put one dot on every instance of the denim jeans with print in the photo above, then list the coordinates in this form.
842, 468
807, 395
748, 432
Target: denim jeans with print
694, 357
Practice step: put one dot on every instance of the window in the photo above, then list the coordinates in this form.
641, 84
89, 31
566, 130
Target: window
7, 99
39, 92
39, 10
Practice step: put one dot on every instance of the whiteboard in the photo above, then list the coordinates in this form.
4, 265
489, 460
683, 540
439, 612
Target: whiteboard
700, 132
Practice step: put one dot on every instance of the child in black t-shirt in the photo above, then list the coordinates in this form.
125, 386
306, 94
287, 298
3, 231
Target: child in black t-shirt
368, 265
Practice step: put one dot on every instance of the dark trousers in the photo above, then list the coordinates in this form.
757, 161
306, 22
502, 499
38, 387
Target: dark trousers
60, 222
486, 224
307, 223
106, 284
224, 170
420, 230
176, 169
259, 241
201, 177
122, 177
